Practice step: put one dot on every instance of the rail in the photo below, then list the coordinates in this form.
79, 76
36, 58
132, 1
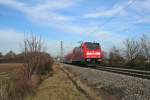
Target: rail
130, 72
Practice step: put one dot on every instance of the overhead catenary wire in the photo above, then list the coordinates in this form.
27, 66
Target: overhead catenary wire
111, 18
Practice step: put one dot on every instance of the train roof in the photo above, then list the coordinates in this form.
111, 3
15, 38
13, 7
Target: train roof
90, 43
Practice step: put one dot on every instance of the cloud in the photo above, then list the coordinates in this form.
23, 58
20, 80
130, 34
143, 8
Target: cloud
46, 11
117, 8
10, 39
132, 11
141, 11
105, 13
142, 20
142, 5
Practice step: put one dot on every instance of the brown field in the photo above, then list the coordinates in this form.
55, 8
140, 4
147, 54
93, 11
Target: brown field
10, 67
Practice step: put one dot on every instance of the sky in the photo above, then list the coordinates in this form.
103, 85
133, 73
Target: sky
108, 22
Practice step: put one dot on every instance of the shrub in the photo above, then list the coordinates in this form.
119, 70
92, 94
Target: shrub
45, 65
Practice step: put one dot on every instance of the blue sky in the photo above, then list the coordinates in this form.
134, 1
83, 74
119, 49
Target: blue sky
106, 21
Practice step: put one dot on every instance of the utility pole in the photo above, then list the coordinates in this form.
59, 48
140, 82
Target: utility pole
61, 52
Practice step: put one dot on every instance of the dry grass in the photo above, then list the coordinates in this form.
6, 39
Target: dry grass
57, 87
13, 83
9, 70
9, 67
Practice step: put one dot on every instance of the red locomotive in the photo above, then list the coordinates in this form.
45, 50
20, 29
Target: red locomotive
88, 53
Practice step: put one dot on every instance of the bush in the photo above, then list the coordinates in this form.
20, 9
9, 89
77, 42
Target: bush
45, 66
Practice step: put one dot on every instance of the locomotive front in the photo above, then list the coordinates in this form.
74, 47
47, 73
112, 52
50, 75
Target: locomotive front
92, 53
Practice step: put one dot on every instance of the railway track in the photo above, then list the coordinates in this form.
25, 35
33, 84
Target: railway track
130, 72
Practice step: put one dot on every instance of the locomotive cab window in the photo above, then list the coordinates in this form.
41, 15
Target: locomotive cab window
92, 46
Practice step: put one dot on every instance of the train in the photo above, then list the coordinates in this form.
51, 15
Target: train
88, 53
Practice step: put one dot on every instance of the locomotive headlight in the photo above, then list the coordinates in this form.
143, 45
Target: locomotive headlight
88, 53
97, 53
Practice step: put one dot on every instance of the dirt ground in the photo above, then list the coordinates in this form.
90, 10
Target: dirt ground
57, 87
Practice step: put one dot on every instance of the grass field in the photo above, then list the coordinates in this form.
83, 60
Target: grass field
10, 67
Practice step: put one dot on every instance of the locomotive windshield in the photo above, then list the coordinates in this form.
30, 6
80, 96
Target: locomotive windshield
92, 46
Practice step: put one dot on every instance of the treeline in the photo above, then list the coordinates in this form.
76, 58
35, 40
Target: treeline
135, 54
12, 57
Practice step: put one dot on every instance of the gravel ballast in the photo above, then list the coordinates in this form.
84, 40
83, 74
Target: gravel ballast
112, 86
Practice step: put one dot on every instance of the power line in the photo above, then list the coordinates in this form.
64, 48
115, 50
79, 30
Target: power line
110, 19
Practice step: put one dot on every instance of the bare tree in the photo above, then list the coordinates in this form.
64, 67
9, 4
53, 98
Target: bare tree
115, 56
145, 46
34, 55
132, 50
